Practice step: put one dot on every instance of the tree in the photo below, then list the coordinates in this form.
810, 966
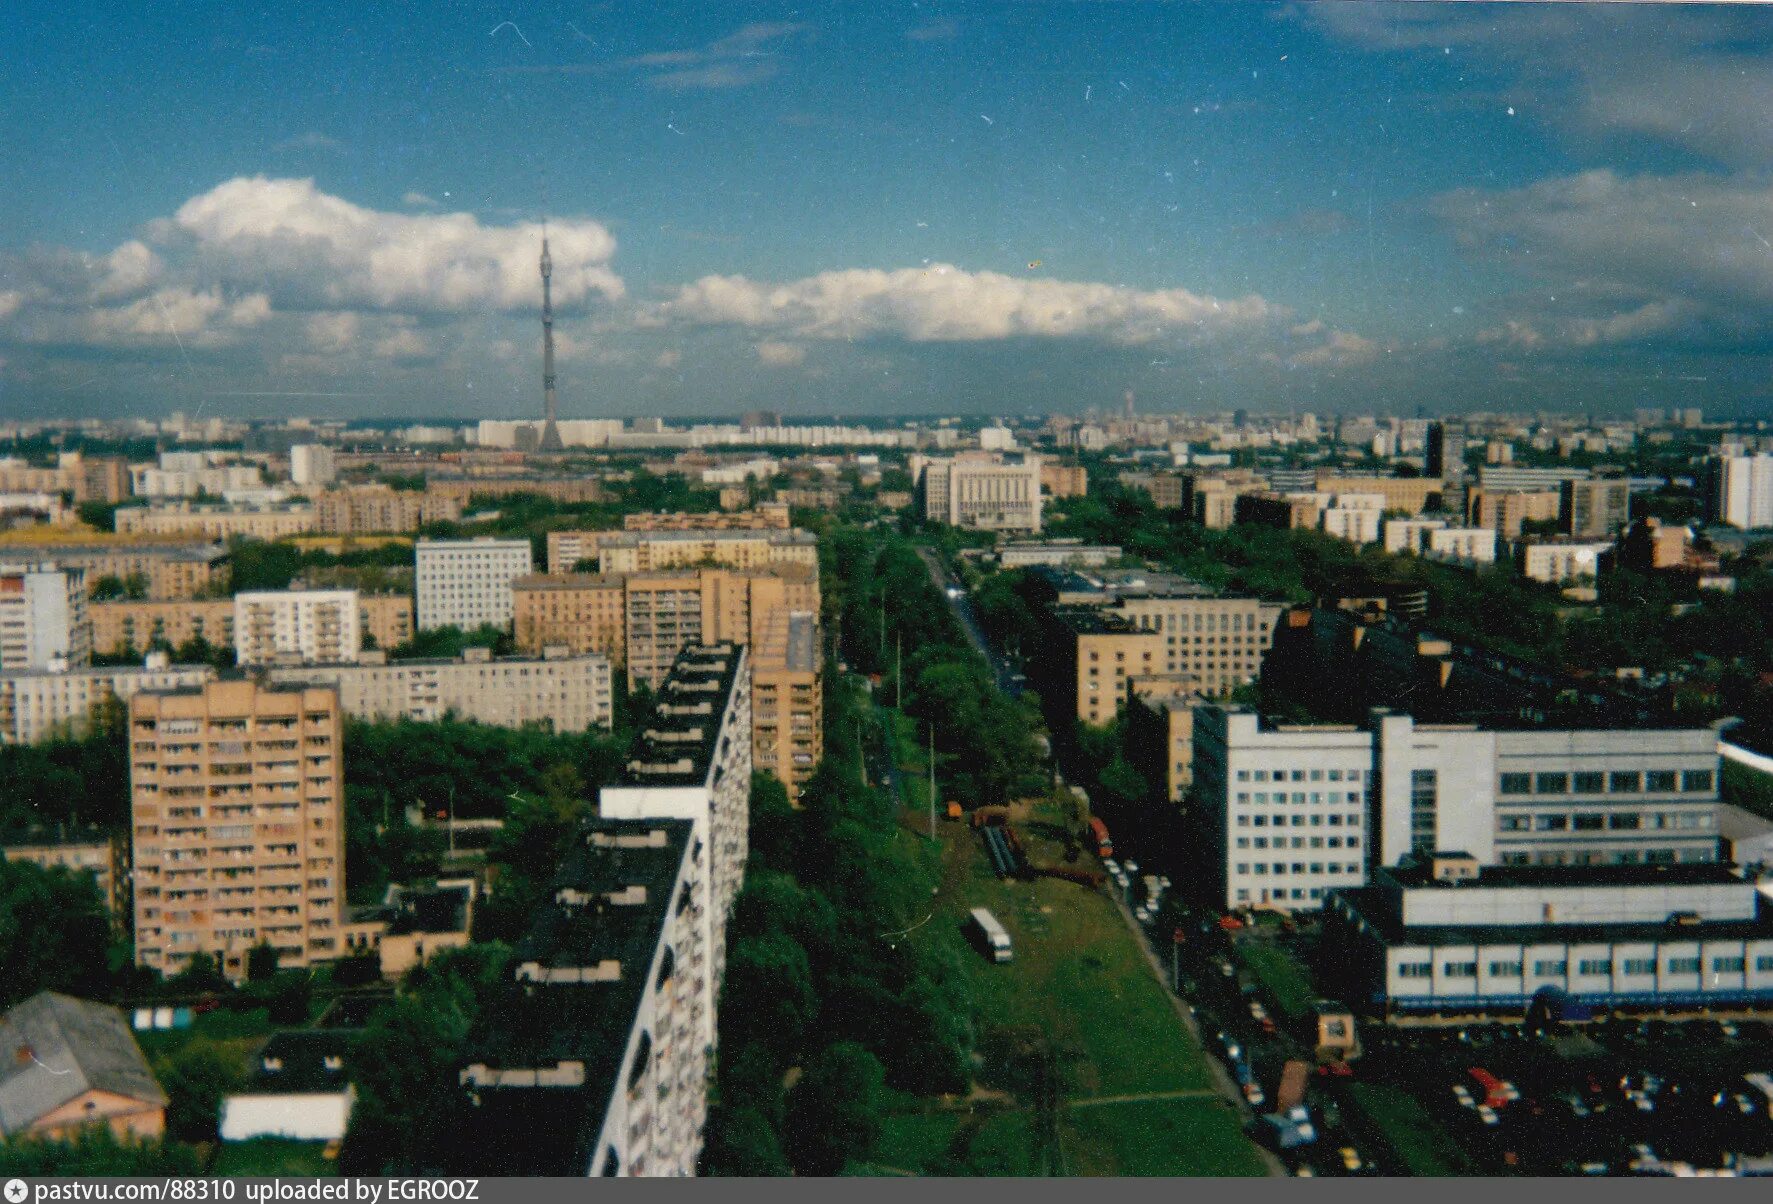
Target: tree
95, 1151
261, 962
772, 823
834, 1110
768, 994
195, 1078
743, 1143
55, 932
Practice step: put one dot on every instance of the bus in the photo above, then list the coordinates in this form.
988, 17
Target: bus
994, 942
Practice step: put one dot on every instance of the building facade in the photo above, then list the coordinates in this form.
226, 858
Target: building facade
373, 509
1597, 508
465, 583
163, 570
216, 522
318, 626
557, 690
237, 797
94, 851
1506, 511
312, 465
650, 551
36, 706
43, 618
1742, 491
787, 698
981, 491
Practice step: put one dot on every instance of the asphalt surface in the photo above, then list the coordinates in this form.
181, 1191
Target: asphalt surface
1006, 675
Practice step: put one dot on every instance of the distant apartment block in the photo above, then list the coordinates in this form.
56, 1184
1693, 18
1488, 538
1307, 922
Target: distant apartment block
36, 706
1507, 510
88, 479
648, 551
560, 489
1210, 498
94, 851
135, 628
43, 618
1412, 495
1556, 561
981, 491
374, 509
160, 570
787, 698
765, 516
312, 465
466, 583
1742, 491
1597, 508
318, 626
1058, 554
558, 691
217, 522
237, 798
1462, 545
1064, 480
177, 477
1166, 489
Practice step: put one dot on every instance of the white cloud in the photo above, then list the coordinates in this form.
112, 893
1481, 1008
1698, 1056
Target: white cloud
333, 333
10, 300
1649, 320
311, 140
421, 200
320, 251
945, 304
1342, 349
402, 344
188, 317
742, 57
781, 355
127, 270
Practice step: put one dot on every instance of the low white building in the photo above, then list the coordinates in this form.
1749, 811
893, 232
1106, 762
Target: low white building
1463, 545
1558, 561
35, 706
312, 466
299, 1091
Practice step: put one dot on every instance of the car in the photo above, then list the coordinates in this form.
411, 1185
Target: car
1351, 1159
1488, 1115
1462, 1093
1253, 1094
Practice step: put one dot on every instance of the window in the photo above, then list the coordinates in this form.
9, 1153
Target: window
1513, 823
1551, 969
1683, 965
1416, 970
1659, 781
1625, 783
1696, 781
1550, 823
1640, 965
1590, 821
1623, 823
1589, 783
1505, 969
1594, 965
1516, 783
1551, 783
1728, 965
1459, 970
1764, 965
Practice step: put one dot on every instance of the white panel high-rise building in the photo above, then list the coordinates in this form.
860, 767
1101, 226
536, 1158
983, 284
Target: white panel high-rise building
312, 465
466, 583
43, 619
316, 626
1744, 491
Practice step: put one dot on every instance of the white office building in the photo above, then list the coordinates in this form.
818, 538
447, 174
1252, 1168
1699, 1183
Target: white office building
983, 491
43, 617
1743, 494
1556, 561
311, 465
466, 583
317, 626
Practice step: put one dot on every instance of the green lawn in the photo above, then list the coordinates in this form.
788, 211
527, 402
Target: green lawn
1280, 974
1158, 1137
987, 1143
273, 1156
1418, 1140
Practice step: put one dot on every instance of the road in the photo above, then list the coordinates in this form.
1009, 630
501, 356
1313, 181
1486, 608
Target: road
1008, 678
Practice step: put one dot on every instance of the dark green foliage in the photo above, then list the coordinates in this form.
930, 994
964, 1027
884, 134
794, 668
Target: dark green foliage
66, 781
743, 1142
834, 1111
55, 934
768, 993
261, 962
452, 641
96, 1151
772, 824
196, 1077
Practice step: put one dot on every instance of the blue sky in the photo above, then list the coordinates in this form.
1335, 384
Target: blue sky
918, 208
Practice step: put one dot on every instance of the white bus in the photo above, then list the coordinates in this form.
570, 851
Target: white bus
994, 941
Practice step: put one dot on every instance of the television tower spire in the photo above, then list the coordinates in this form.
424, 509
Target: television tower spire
550, 441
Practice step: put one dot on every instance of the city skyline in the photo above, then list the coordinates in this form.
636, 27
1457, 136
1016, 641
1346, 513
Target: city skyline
925, 209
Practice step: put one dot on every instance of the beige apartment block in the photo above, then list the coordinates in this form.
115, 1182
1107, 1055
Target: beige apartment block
387, 619
1217, 642
237, 799
1210, 498
765, 516
216, 522
1104, 651
83, 851
1504, 510
559, 489
1412, 495
133, 628
163, 570
67, 701
375, 509
583, 611
645, 551
318, 626
1064, 480
985, 491
787, 698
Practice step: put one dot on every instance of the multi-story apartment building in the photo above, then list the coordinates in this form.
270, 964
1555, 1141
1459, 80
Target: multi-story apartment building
1742, 491
641, 620
1412, 495
560, 489
386, 619
36, 706
693, 761
1410, 534
1064, 480
1160, 734
237, 799
765, 516
1091, 655
184, 478
43, 618
88, 479
1556, 561
312, 465
466, 583
983, 491
1166, 489
651, 551
1058, 554
373, 509
1464, 545
134, 628
1597, 508
1503, 796
598, 1065
787, 698
162, 570
319, 626
95, 851
1506, 511
557, 690
1210, 498
217, 522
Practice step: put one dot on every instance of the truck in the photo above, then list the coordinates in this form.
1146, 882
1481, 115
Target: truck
993, 941
1291, 1092
1096, 833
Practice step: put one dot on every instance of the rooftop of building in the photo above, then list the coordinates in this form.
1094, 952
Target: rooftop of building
1565, 877
51, 541
53, 1048
540, 1130
304, 1062
1087, 620
676, 744
777, 536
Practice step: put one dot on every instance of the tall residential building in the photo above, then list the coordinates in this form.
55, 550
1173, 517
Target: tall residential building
319, 626
692, 761
597, 1060
1506, 510
237, 797
559, 691
36, 706
311, 465
787, 698
43, 619
1597, 508
371, 509
1445, 452
1742, 491
466, 583
982, 491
